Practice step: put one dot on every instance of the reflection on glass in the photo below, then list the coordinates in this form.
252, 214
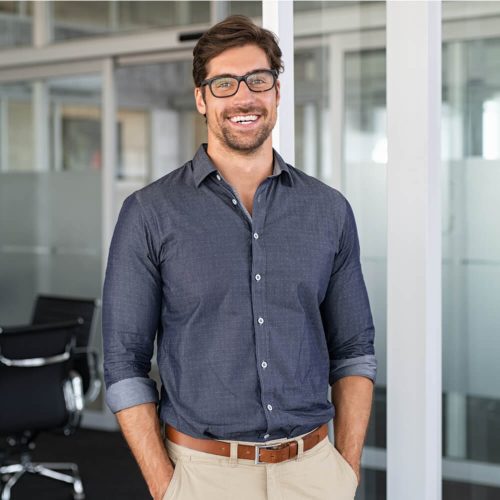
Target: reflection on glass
81, 138
365, 132
159, 127
311, 111
50, 193
246, 8
82, 19
17, 151
471, 99
322, 63
471, 251
16, 22
133, 134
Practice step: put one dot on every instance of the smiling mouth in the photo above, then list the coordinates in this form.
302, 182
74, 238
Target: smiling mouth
244, 119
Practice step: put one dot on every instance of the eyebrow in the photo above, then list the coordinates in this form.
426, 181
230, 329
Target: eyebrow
224, 75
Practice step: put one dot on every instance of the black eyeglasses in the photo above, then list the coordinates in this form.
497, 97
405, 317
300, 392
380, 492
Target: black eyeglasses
261, 80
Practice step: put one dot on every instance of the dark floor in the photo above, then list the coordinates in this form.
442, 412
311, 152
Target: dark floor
109, 472
106, 465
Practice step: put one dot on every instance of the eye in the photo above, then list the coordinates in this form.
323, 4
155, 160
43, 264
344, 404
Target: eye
259, 79
223, 83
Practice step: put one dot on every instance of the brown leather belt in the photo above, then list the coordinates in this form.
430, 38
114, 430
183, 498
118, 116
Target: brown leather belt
269, 454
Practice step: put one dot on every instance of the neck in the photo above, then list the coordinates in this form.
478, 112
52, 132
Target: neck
244, 171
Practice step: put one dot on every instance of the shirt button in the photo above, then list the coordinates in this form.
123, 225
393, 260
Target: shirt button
256, 236
257, 277
260, 320
263, 364
218, 177
234, 201
269, 407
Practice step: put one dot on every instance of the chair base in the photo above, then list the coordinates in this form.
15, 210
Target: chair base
14, 472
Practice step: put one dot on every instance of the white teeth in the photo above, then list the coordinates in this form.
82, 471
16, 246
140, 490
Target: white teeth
243, 118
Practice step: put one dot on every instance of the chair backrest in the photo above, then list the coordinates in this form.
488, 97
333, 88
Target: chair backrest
32, 397
50, 308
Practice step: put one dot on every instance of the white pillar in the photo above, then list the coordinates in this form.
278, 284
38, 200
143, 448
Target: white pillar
109, 145
166, 134
414, 251
57, 138
219, 10
277, 16
41, 125
310, 165
42, 23
4, 135
41, 37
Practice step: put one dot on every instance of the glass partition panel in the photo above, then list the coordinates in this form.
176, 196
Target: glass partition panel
82, 19
159, 128
16, 24
251, 8
340, 138
471, 256
50, 193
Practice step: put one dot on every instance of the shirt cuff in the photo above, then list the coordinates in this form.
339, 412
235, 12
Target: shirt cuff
366, 366
131, 392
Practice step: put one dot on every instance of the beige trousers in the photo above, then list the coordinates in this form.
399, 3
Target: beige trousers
320, 473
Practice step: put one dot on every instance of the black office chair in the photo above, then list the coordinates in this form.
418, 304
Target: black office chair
39, 391
50, 308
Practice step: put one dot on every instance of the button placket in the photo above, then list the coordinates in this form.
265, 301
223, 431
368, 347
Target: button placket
258, 295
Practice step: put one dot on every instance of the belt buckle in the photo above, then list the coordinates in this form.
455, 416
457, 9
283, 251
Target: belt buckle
258, 447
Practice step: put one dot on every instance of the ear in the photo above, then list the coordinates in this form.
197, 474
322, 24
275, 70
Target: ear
278, 92
200, 101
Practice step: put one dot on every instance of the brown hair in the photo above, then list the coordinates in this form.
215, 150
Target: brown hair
234, 31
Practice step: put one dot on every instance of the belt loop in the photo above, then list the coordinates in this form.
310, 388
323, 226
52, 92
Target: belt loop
300, 451
233, 459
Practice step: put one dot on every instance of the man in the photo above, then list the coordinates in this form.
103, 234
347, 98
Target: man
247, 272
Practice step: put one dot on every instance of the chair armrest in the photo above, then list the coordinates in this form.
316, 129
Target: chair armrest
33, 362
95, 379
73, 396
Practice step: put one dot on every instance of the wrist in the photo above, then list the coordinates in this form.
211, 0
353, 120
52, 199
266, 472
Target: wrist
158, 491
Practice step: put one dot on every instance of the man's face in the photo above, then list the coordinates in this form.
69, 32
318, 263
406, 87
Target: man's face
258, 107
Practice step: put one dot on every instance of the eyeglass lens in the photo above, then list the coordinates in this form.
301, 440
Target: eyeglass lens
260, 81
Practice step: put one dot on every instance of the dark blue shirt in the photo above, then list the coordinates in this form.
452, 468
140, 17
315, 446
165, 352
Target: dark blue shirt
254, 316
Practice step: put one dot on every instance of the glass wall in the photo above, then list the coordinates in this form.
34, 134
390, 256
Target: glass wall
80, 19
353, 63
16, 22
471, 252
251, 8
341, 138
158, 126
50, 192
51, 164
83, 19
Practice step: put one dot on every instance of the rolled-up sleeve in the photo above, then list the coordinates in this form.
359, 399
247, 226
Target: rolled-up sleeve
131, 310
345, 310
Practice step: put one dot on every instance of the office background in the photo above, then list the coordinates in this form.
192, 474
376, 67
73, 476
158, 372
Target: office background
96, 101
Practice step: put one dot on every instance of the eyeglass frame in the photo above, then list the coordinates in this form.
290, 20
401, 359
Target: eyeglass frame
240, 79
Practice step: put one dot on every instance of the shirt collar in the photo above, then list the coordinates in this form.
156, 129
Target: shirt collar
203, 166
